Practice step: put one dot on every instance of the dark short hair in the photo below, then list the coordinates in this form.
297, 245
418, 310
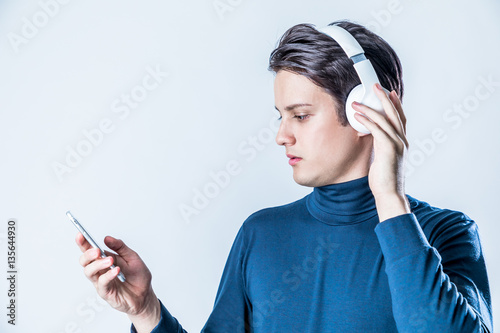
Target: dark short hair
304, 50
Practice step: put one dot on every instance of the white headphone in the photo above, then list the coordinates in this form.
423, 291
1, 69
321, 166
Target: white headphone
362, 93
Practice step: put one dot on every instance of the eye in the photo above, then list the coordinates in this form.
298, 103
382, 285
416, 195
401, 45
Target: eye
302, 117
280, 118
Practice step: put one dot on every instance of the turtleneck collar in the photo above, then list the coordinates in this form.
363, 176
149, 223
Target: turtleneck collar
343, 203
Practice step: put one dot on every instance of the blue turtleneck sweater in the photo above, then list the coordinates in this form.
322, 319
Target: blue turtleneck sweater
324, 263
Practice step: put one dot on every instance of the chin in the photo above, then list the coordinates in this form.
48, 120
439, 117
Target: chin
315, 179
304, 180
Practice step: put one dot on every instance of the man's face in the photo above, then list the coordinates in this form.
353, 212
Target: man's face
329, 153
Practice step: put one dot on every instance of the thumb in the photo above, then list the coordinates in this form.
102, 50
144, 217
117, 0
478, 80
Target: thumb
119, 247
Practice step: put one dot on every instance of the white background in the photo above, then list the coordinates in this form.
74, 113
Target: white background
65, 77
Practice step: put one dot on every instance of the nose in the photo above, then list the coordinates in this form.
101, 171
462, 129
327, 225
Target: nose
284, 135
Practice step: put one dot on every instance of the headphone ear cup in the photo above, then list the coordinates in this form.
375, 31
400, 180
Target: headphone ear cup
356, 94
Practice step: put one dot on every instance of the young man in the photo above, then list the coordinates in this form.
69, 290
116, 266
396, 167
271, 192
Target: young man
355, 255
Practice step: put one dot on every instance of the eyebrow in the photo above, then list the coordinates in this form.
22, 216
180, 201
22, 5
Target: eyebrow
294, 106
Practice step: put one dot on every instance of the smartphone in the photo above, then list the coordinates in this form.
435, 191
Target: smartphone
89, 238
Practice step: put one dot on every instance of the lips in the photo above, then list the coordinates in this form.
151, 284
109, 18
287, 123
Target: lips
293, 159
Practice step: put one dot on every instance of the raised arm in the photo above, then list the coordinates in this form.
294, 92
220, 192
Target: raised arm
135, 296
440, 288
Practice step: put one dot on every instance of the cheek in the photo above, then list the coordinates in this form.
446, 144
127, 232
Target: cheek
329, 139
335, 143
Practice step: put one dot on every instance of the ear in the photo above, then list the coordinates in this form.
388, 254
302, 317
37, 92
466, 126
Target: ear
362, 134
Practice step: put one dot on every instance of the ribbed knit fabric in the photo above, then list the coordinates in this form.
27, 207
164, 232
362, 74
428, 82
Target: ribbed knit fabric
324, 263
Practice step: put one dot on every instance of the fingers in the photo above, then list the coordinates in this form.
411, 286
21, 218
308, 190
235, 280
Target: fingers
105, 279
93, 254
88, 256
82, 243
397, 103
97, 268
120, 247
379, 124
394, 126
395, 118
391, 111
373, 127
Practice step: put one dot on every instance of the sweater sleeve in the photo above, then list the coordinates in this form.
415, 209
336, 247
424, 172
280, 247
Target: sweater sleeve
167, 324
232, 310
436, 289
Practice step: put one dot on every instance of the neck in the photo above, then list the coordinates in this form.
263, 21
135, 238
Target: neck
343, 203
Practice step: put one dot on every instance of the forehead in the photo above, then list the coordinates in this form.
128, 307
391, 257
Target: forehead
291, 88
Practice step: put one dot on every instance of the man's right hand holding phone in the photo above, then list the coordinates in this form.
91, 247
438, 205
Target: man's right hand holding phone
135, 296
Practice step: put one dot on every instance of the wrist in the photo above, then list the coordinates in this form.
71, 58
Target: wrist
392, 205
148, 318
